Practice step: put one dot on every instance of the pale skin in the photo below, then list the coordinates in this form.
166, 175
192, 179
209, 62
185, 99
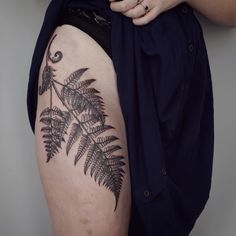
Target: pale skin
218, 11
77, 204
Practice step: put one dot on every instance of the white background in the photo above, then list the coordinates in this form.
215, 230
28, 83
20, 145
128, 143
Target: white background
23, 209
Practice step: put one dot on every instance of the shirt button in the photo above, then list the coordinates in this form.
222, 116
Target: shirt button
190, 47
163, 171
184, 9
146, 193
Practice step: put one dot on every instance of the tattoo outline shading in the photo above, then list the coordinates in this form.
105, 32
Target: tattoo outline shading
84, 110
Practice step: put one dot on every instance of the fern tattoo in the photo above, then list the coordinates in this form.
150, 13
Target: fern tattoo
83, 121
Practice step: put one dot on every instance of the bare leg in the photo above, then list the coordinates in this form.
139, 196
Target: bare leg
80, 138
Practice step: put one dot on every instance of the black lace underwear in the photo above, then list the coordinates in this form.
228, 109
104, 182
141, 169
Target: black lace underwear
95, 24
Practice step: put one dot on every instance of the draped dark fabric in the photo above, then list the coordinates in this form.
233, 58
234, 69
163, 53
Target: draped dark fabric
165, 88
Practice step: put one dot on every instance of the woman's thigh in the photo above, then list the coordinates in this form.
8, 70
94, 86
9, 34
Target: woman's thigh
80, 136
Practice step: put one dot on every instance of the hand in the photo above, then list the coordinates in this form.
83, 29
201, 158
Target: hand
136, 9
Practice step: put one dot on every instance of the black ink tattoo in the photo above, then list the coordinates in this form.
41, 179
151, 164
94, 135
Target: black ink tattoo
86, 116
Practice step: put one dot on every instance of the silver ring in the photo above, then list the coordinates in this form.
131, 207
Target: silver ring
146, 8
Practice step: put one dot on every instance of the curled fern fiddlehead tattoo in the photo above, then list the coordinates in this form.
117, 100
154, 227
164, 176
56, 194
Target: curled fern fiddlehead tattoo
83, 122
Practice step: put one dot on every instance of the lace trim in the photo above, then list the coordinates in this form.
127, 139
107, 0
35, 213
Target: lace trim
92, 15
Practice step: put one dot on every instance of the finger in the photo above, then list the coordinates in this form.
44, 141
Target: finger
122, 6
135, 12
145, 19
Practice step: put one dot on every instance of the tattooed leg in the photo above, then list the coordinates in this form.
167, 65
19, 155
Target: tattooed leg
81, 139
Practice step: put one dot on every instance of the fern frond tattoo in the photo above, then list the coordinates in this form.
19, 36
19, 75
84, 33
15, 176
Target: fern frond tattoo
83, 122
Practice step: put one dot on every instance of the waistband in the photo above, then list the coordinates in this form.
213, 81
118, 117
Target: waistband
102, 7
93, 16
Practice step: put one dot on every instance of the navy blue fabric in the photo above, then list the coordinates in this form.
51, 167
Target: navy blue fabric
165, 88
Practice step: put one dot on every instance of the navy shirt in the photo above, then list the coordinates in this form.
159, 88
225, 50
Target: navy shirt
165, 88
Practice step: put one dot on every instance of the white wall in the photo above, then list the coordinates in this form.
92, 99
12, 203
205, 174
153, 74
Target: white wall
23, 209
219, 217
